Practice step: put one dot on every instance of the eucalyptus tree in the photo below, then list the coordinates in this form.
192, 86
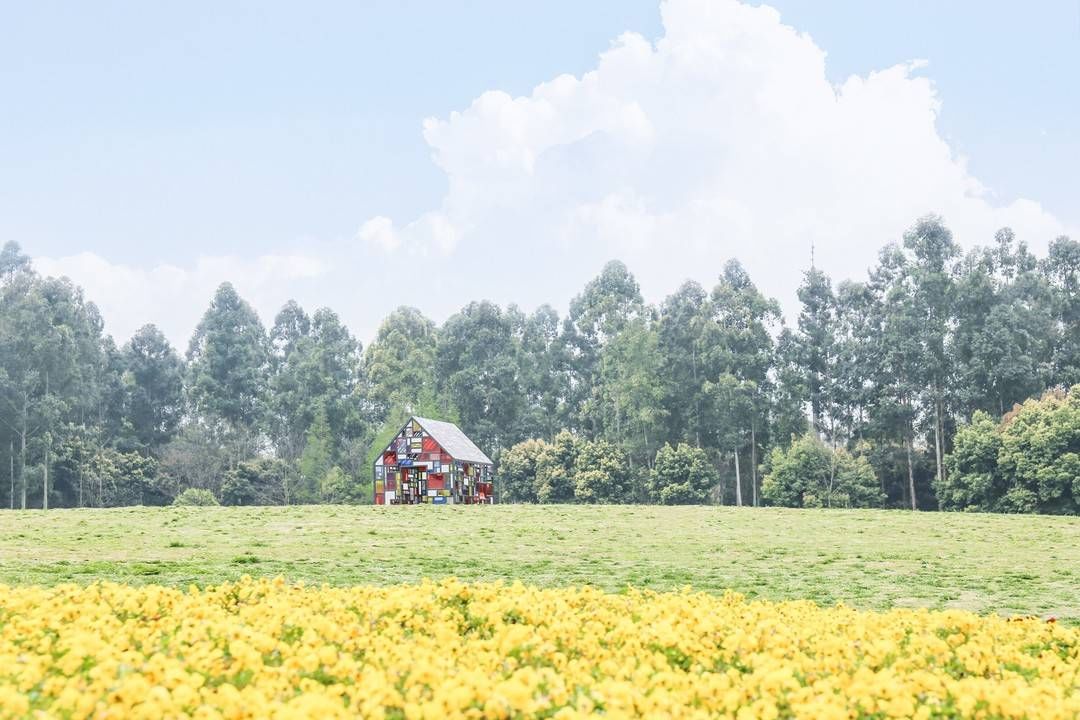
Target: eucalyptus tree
290, 410
599, 313
318, 378
741, 347
229, 372
897, 354
52, 362
399, 364
632, 392
732, 410
543, 371
291, 325
683, 335
816, 343
933, 295
1061, 269
477, 368
1004, 331
857, 371
152, 387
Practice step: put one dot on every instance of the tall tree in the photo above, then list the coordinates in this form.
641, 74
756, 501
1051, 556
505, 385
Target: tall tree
542, 370
153, 389
291, 325
51, 364
228, 371
400, 364
477, 368
631, 394
683, 336
317, 459
744, 350
1003, 335
933, 286
603, 308
858, 345
816, 345
1061, 268
732, 413
13, 261
321, 373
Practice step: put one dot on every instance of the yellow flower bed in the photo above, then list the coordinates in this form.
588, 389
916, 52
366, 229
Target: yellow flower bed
267, 649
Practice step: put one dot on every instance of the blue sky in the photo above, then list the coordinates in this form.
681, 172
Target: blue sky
148, 148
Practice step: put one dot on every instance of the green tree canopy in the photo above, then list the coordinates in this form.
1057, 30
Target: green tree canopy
153, 389
811, 474
682, 475
229, 364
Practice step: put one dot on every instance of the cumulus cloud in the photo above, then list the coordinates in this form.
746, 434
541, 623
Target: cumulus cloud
723, 138
174, 298
430, 233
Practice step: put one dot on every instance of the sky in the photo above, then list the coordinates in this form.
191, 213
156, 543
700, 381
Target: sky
363, 156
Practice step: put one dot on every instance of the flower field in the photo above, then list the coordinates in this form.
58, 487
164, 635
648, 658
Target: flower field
265, 648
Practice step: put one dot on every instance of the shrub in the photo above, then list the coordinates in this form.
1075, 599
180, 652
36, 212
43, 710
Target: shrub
681, 475
1030, 462
568, 469
517, 471
255, 482
811, 474
972, 480
196, 497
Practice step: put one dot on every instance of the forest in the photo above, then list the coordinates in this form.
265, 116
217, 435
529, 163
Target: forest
941, 380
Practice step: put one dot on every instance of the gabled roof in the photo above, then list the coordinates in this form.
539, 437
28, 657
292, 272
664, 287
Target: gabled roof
453, 441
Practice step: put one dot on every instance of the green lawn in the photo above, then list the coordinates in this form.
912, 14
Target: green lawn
869, 559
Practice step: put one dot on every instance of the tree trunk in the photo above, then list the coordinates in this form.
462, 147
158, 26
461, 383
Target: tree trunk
11, 461
937, 438
45, 474
48, 446
719, 461
648, 455
832, 478
911, 474
941, 429
753, 462
738, 481
22, 449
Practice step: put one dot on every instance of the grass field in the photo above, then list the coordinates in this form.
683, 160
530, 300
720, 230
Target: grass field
868, 559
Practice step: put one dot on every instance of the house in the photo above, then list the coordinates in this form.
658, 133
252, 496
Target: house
431, 461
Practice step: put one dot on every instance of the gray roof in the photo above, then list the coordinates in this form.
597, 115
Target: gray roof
453, 441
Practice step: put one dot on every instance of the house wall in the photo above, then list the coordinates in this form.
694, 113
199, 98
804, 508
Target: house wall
414, 469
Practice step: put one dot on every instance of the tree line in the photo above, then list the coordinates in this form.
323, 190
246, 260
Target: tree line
863, 398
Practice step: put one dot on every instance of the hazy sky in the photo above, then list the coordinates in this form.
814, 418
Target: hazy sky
368, 155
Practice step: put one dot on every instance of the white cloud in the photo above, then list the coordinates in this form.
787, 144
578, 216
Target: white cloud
174, 298
724, 138
432, 232
379, 231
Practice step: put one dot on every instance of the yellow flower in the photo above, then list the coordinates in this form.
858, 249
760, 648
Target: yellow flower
263, 648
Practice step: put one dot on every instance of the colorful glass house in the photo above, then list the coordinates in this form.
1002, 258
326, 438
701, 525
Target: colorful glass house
431, 461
